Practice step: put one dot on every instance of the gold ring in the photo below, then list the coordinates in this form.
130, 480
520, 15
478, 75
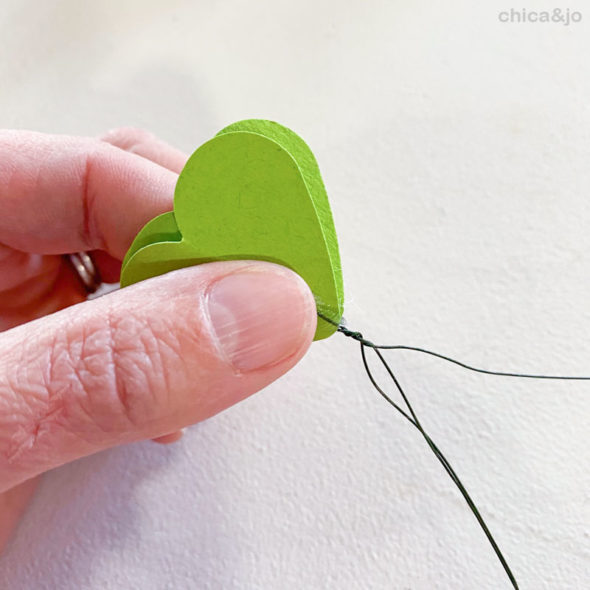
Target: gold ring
85, 270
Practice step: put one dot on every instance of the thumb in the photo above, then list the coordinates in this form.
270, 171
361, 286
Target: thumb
146, 360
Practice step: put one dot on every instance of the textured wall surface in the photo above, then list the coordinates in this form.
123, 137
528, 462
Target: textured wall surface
456, 152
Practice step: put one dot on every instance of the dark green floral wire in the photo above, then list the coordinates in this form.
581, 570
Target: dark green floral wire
413, 418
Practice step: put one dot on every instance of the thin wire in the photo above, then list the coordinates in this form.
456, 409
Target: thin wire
359, 338
413, 418
438, 454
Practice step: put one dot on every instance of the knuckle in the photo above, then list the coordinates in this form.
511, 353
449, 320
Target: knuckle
97, 383
119, 372
108, 379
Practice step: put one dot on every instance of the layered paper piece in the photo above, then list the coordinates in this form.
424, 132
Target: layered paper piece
253, 192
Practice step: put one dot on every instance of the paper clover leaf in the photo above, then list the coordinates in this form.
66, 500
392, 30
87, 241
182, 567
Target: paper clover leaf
252, 192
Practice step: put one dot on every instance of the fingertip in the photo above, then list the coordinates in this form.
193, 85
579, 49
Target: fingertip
170, 438
145, 144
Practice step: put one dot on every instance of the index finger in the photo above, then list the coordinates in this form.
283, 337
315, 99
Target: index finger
63, 194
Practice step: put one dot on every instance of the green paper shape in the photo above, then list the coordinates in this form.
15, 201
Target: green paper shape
253, 192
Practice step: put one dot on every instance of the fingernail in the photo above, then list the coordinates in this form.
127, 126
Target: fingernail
260, 317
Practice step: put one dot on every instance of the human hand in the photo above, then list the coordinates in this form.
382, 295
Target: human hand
139, 363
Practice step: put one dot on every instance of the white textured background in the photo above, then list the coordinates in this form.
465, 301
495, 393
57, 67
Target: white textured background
456, 152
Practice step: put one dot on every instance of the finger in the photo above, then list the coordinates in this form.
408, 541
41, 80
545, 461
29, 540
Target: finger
18, 268
147, 145
146, 361
108, 267
40, 295
63, 194
169, 438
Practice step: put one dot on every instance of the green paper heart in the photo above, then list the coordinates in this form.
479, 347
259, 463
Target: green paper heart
252, 192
